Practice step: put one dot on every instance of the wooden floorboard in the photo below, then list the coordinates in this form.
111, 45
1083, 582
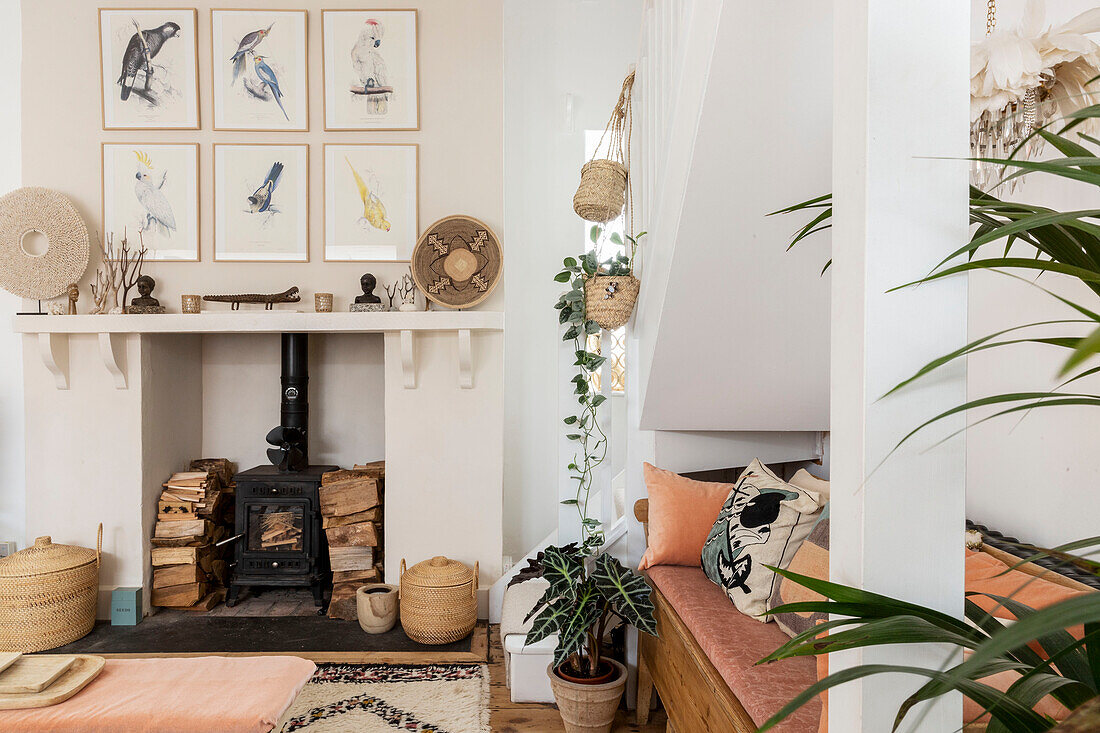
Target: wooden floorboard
510, 717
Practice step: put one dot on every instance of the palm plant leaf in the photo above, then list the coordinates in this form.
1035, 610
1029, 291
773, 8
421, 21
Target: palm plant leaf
626, 591
1022, 718
1019, 263
1073, 611
982, 344
1059, 643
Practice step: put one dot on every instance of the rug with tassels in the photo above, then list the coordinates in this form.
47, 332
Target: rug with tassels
436, 698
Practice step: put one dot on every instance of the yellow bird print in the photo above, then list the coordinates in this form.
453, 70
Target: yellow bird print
374, 211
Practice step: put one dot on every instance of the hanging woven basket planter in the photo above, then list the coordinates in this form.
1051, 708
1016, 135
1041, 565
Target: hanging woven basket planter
609, 299
601, 194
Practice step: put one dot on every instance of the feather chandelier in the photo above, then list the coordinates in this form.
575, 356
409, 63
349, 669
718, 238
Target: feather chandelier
1022, 79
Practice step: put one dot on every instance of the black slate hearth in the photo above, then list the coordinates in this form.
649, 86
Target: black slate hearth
185, 632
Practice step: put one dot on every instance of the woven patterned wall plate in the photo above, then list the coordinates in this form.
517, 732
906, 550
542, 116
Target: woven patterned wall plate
457, 262
48, 275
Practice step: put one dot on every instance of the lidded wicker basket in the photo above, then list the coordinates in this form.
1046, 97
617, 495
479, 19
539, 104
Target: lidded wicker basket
48, 595
609, 299
438, 600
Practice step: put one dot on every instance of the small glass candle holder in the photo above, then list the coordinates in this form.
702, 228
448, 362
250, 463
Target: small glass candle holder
191, 303
322, 302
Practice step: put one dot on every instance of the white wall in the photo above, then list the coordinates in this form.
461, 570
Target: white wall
12, 501
741, 336
551, 49
1034, 478
460, 172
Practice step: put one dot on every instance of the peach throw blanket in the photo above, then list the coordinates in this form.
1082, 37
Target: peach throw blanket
178, 695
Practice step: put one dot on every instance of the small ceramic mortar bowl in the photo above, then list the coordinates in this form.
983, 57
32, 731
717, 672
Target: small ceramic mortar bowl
376, 605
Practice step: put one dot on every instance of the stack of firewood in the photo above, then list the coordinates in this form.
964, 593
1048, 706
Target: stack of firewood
194, 514
351, 510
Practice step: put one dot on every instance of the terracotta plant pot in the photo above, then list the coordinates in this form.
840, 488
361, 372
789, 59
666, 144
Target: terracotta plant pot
588, 708
376, 606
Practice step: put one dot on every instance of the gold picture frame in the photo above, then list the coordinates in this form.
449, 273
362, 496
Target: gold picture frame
327, 74
214, 66
305, 208
103, 85
197, 197
325, 191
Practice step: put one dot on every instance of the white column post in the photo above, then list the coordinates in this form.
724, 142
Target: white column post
900, 96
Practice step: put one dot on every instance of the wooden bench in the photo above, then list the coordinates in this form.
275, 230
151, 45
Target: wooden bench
696, 697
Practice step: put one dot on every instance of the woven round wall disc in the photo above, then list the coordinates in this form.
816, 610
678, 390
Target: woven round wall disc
39, 276
457, 262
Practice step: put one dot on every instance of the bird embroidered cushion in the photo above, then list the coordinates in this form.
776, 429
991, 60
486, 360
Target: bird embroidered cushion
763, 522
681, 513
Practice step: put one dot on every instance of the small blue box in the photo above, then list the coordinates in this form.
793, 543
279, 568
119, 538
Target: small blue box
125, 606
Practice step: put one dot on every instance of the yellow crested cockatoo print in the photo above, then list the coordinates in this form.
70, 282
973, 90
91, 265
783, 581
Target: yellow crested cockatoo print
374, 211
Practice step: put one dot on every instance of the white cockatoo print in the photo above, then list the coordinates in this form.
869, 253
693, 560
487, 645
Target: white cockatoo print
370, 67
150, 194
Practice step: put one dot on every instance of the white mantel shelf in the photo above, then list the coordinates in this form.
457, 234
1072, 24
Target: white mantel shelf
53, 332
261, 321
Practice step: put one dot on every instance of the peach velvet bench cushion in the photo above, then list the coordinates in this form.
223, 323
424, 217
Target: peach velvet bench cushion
734, 643
178, 695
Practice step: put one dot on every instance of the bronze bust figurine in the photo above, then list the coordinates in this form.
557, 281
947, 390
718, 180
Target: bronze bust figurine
368, 282
145, 302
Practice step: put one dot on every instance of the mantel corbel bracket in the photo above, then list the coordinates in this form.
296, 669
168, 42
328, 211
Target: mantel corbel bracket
465, 360
408, 360
109, 349
54, 351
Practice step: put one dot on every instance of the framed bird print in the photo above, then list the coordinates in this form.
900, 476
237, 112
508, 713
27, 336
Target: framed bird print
369, 63
261, 203
259, 69
151, 192
149, 72
371, 206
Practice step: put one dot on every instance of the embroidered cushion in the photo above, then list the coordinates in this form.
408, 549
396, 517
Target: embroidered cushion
762, 522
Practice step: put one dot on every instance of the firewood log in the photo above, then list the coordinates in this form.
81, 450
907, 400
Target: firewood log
348, 497
363, 534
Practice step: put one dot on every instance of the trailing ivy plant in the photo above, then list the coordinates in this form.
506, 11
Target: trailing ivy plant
584, 427
588, 590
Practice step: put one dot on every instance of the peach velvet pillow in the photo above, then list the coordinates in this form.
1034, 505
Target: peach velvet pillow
681, 513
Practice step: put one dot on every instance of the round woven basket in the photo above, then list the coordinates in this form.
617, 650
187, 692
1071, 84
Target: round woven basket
438, 600
48, 595
609, 299
602, 191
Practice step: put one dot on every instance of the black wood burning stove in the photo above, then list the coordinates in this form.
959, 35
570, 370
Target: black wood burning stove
279, 539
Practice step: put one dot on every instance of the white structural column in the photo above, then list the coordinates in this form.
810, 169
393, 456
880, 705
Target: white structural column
900, 98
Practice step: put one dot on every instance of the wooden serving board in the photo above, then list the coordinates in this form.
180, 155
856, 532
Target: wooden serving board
30, 674
8, 658
83, 668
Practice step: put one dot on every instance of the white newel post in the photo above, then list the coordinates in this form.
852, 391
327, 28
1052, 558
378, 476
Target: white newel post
901, 76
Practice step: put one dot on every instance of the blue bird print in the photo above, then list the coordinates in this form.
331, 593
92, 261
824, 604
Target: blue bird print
267, 76
260, 200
